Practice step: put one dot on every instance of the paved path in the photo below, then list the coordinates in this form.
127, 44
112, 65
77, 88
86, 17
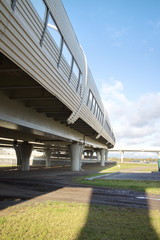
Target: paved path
155, 176
56, 184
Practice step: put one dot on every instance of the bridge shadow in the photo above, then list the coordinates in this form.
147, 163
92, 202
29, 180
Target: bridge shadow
118, 223
18, 187
106, 219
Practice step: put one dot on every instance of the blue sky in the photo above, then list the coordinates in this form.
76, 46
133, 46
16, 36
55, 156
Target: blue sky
121, 39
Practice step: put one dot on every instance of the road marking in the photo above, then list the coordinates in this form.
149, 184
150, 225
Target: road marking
157, 199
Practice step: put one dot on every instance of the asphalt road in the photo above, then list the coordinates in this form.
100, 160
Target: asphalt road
56, 184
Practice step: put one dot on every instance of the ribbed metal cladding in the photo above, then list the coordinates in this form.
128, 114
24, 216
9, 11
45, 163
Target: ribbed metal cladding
41, 77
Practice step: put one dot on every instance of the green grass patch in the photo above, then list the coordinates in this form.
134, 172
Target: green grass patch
136, 167
144, 186
73, 221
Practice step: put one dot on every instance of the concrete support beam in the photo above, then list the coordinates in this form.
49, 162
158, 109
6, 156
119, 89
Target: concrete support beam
98, 155
48, 157
23, 152
91, 154
106, 155
103, 157
36, 125
75, 151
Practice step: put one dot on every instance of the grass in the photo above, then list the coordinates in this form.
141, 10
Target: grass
152, 187
133, 159
73, 221
127, 167
144, 186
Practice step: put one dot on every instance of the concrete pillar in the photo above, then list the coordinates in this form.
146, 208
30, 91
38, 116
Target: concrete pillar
103, 157
98, 155
23, 152
91, 154
75, 151
122, 156
48, 157
106, 155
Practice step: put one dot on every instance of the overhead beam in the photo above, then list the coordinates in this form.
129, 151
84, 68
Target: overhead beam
6, 70
19, 87
44, 106
54, 112
32, 98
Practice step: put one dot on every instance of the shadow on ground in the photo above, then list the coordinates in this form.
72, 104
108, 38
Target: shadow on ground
111, 211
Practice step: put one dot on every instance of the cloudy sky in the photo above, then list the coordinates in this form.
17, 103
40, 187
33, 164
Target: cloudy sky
121, 39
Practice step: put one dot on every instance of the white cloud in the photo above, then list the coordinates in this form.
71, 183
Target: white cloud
135, 123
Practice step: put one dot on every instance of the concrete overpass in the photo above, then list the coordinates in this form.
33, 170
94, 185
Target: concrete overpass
123, 150
48, 96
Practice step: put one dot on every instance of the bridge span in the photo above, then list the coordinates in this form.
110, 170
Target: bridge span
150, 150
48, 96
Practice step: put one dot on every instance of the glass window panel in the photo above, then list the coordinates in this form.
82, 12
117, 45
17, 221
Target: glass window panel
52, 28
79, 84
40, 7
102, 118
80, 78
93, 104
90, 99
95, 110
98, 116
66, 53
76, 69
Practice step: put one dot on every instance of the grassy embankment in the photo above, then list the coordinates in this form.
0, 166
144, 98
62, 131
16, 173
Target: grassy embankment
131, 167
73, 221
148, 160
144, 186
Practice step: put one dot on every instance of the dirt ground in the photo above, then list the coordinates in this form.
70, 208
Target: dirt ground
57, 184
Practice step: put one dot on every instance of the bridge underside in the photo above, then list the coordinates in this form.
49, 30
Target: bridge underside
18, 86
